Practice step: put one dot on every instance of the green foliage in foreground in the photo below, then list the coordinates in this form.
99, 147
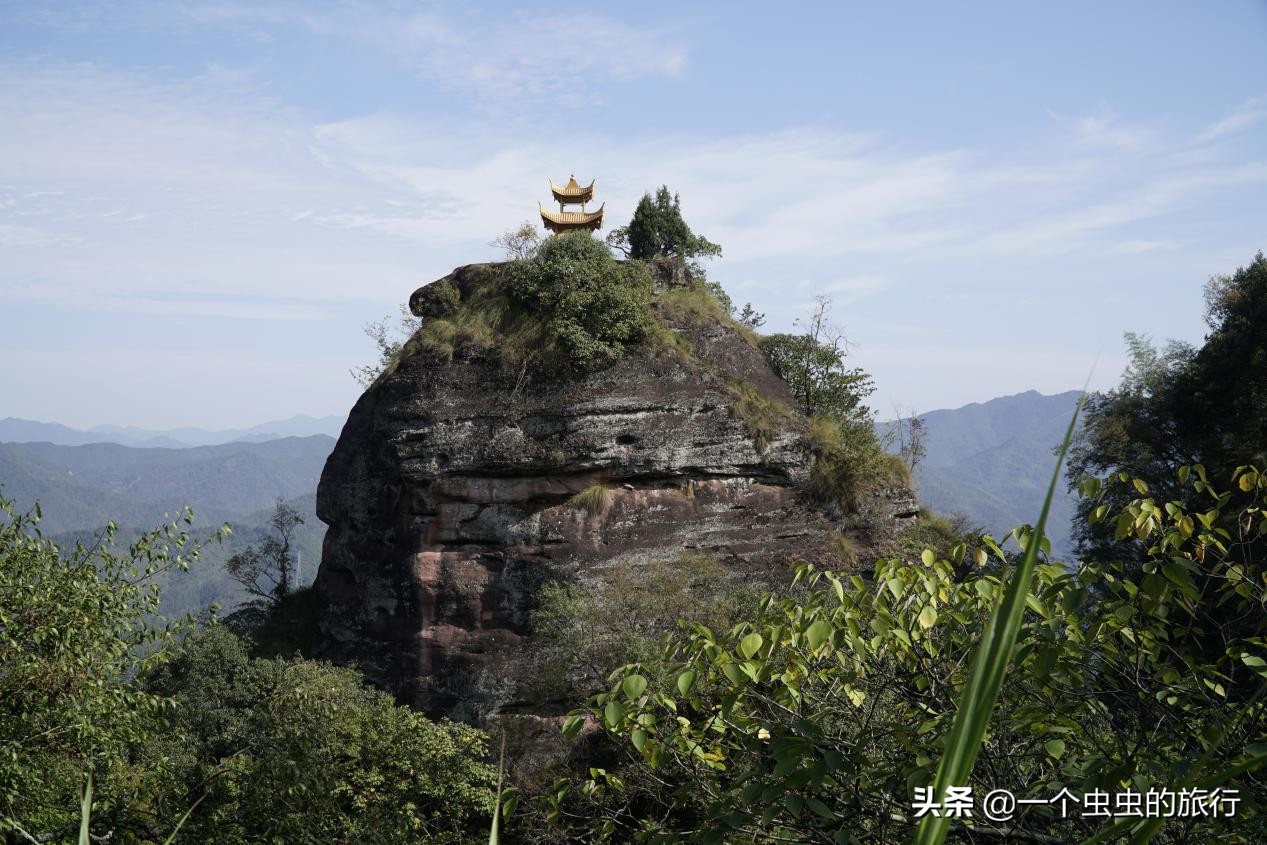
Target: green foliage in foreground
816, 718
293, 751
75, 626
582, 632
197, 735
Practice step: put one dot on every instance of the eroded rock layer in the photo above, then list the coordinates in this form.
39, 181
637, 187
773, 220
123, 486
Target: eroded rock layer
447, 500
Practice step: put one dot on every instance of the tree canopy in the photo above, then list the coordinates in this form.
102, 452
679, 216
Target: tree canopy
1181, 405
188, 736
658, 229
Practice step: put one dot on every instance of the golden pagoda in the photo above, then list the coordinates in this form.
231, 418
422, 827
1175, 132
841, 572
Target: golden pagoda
572, 193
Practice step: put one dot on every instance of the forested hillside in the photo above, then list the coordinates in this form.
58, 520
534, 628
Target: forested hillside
83, 487
988, 461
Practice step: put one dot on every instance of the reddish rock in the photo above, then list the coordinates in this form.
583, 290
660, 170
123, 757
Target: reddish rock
446, 500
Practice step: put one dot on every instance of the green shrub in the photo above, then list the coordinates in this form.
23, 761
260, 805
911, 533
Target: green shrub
439, 299
849, 461
75, 626
288, 750
700, 305
592, 306
825, 710
586, 631
933, 531
813, 365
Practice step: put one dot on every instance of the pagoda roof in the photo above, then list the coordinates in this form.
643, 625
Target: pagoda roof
561, 221
572, 191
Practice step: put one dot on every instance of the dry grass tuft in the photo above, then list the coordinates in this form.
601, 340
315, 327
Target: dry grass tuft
594, 500
764, 417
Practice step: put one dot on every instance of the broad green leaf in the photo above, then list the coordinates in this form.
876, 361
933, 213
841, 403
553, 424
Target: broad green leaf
634, 686
817, 634
1055, 747
685, 682
614, 712
750, 644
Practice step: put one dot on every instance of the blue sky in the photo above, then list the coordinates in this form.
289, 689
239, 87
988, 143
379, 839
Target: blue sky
202, 203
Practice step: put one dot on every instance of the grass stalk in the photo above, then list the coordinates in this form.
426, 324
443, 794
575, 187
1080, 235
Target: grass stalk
85, 812
989, 666
497, 801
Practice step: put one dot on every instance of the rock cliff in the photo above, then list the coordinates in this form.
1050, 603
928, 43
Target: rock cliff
449, 497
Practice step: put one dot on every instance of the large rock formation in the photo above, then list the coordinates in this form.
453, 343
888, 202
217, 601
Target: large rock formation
447, 500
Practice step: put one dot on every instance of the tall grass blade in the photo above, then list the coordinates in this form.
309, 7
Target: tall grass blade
85, 812
989, 666
497, 807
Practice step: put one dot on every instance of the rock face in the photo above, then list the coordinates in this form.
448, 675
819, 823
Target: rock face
447, 501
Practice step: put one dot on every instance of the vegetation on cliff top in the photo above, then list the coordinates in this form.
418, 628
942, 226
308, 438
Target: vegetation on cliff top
568, 307
565, 305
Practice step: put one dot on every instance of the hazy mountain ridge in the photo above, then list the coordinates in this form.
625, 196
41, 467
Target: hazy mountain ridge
207, 582
17, 430
991, 461
82, 487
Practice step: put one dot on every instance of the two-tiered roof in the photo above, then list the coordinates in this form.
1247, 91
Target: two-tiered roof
573, 193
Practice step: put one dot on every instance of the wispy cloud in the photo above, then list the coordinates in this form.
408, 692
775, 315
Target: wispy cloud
208, 186
1105, 129
1246, 114
566, 57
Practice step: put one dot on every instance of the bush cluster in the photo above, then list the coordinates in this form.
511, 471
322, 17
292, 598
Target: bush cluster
592, 305
195, 738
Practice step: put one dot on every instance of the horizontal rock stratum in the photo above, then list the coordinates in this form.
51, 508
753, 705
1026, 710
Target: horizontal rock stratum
447, 499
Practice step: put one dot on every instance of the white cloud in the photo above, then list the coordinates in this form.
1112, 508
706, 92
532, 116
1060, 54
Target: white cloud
117, 185
1244, 115
567, 57
122, 192
1104, 129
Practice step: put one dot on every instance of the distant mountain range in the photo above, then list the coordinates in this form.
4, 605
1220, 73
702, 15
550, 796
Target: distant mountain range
991, 461
83, 487
15, 430
988, 461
